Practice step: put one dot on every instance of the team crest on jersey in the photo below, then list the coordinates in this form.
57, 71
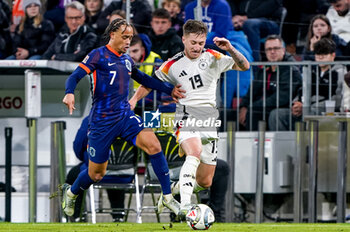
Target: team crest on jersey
203, 64
92, 151
128, 65
86, 59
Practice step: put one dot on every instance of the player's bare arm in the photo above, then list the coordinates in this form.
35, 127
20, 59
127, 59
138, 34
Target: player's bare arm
69, 101
140, 93
241, 63
143, 91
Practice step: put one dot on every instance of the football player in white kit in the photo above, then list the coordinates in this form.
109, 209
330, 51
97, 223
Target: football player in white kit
197, 70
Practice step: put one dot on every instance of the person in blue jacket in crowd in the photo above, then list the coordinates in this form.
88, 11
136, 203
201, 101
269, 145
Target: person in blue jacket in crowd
216, 14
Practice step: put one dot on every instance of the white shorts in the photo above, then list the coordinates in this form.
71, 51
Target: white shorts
209, 143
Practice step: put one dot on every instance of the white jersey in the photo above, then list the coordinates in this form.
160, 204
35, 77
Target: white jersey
198, 77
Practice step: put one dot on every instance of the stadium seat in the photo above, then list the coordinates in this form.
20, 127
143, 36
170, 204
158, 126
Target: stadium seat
121, 174
170, 148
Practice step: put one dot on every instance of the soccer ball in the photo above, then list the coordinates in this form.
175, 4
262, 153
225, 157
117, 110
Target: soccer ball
200, 217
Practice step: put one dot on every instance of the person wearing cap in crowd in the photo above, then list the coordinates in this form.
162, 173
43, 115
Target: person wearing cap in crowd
33, 34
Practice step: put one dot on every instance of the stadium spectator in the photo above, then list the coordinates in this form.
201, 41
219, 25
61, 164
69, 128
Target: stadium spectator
94, 19
275, 52
5, 37
115, 196
33, 35
117, 14
140, 13
258, 19
75, 39
216, 14
177, 16
324, 52
165, 41
299, 14
339, 17
320, 27
110, 115
140, 52
346, 92
55, 12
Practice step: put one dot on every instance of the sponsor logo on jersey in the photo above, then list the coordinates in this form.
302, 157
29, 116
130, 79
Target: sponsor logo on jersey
183, 73
110, 64
152, 119
128, 65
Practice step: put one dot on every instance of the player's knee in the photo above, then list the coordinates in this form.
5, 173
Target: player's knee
195, 153
153, 148
97, 176
205, 182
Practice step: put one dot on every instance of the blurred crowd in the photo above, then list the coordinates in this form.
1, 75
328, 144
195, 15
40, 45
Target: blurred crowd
68, 29
262, 30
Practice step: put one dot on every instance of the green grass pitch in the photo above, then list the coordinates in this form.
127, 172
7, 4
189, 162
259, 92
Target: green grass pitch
154, 227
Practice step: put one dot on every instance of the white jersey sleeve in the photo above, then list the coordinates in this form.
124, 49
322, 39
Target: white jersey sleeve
163, 76
164, 73
224, 62
221, 62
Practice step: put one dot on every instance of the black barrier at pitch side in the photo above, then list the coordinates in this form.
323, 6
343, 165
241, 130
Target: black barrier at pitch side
8, 164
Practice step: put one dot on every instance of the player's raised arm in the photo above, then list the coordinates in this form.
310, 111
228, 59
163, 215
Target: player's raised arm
241, 63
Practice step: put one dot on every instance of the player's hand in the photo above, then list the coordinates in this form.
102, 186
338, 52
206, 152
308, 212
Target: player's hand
242, 115
222, 43
177, 93
68, 100
297, 108
132, 103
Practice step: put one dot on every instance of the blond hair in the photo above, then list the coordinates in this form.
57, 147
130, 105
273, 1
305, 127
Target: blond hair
178, 2
36, 22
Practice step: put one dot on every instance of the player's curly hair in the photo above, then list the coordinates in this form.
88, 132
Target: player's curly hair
114, 26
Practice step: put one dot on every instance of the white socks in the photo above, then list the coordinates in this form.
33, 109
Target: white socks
167, 198
70, 194
175, 189
187, 179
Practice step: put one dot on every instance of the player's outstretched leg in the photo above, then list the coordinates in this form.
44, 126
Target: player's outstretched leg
70, 193
161, 169
147, 141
